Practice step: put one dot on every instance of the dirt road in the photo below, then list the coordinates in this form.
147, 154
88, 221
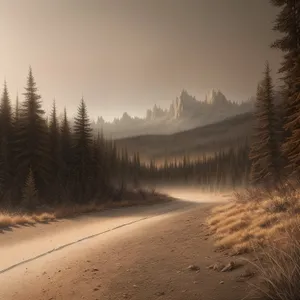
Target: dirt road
132, 253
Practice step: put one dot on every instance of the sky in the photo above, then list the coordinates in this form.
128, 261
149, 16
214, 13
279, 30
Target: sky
127, 55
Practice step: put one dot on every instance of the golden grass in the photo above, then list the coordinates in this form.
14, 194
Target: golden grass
8, 219
269, 225
244, 225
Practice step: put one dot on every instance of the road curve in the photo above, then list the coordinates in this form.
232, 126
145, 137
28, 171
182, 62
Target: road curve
26, 252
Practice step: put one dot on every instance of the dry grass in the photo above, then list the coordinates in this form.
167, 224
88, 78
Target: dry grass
9, 219
252, 219
140, 197
269, 225
279, 266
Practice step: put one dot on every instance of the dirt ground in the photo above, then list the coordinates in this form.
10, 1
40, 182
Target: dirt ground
151, 262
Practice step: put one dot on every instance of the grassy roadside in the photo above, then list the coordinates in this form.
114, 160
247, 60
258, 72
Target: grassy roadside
10, 218
268, 226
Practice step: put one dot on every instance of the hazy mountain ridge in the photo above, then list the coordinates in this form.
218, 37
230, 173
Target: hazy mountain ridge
230, 132
185, 112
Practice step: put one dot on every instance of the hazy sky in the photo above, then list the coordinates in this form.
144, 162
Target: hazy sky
126, 55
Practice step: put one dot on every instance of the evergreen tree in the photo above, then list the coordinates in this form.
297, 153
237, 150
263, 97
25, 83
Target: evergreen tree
83, 139
265, 150
32, 139
55, 150
17, 110
6, 128
99, 183
30, 195
287, 23
66, 147
292, 144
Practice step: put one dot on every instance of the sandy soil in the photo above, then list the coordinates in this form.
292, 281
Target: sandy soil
146, 259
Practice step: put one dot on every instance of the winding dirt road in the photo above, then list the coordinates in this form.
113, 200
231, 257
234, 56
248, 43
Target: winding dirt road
129, 253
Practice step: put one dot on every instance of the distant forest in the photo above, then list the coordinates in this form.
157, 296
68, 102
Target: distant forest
43, 160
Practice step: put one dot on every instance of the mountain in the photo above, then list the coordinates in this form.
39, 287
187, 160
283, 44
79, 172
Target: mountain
185, 112
194, 142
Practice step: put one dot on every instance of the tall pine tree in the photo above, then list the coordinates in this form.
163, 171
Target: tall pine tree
287, 23
32, 139
6, 127
66, 147
83, 139
264, 154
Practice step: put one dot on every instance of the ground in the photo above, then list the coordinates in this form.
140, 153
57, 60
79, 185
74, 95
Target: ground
148, 259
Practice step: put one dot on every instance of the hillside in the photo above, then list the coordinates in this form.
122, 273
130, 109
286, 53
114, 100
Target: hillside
204, 139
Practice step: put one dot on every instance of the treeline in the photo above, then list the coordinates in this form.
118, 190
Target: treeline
275, 148
225, 168
44, 161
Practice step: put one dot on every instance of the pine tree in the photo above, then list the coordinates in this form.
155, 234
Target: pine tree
82, 151
30, 195
55, 151
66, 147
32, 139
17, 110
292, 144
98, 165
6, 130
287, 23
264, 153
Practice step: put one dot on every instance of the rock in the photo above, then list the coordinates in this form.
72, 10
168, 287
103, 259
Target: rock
247, 274
222, 282
217, 267
160, 293
95, 270
229, 267
194, 268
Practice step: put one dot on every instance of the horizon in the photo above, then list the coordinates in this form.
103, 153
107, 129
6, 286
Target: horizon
129, 55
111, 118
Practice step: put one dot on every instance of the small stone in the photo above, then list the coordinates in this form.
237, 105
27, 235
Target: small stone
216, 267
222, 282
193, 268
229, 267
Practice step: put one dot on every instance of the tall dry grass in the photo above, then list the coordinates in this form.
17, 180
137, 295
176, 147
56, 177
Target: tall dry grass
279, 266
268, 225
253, 218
